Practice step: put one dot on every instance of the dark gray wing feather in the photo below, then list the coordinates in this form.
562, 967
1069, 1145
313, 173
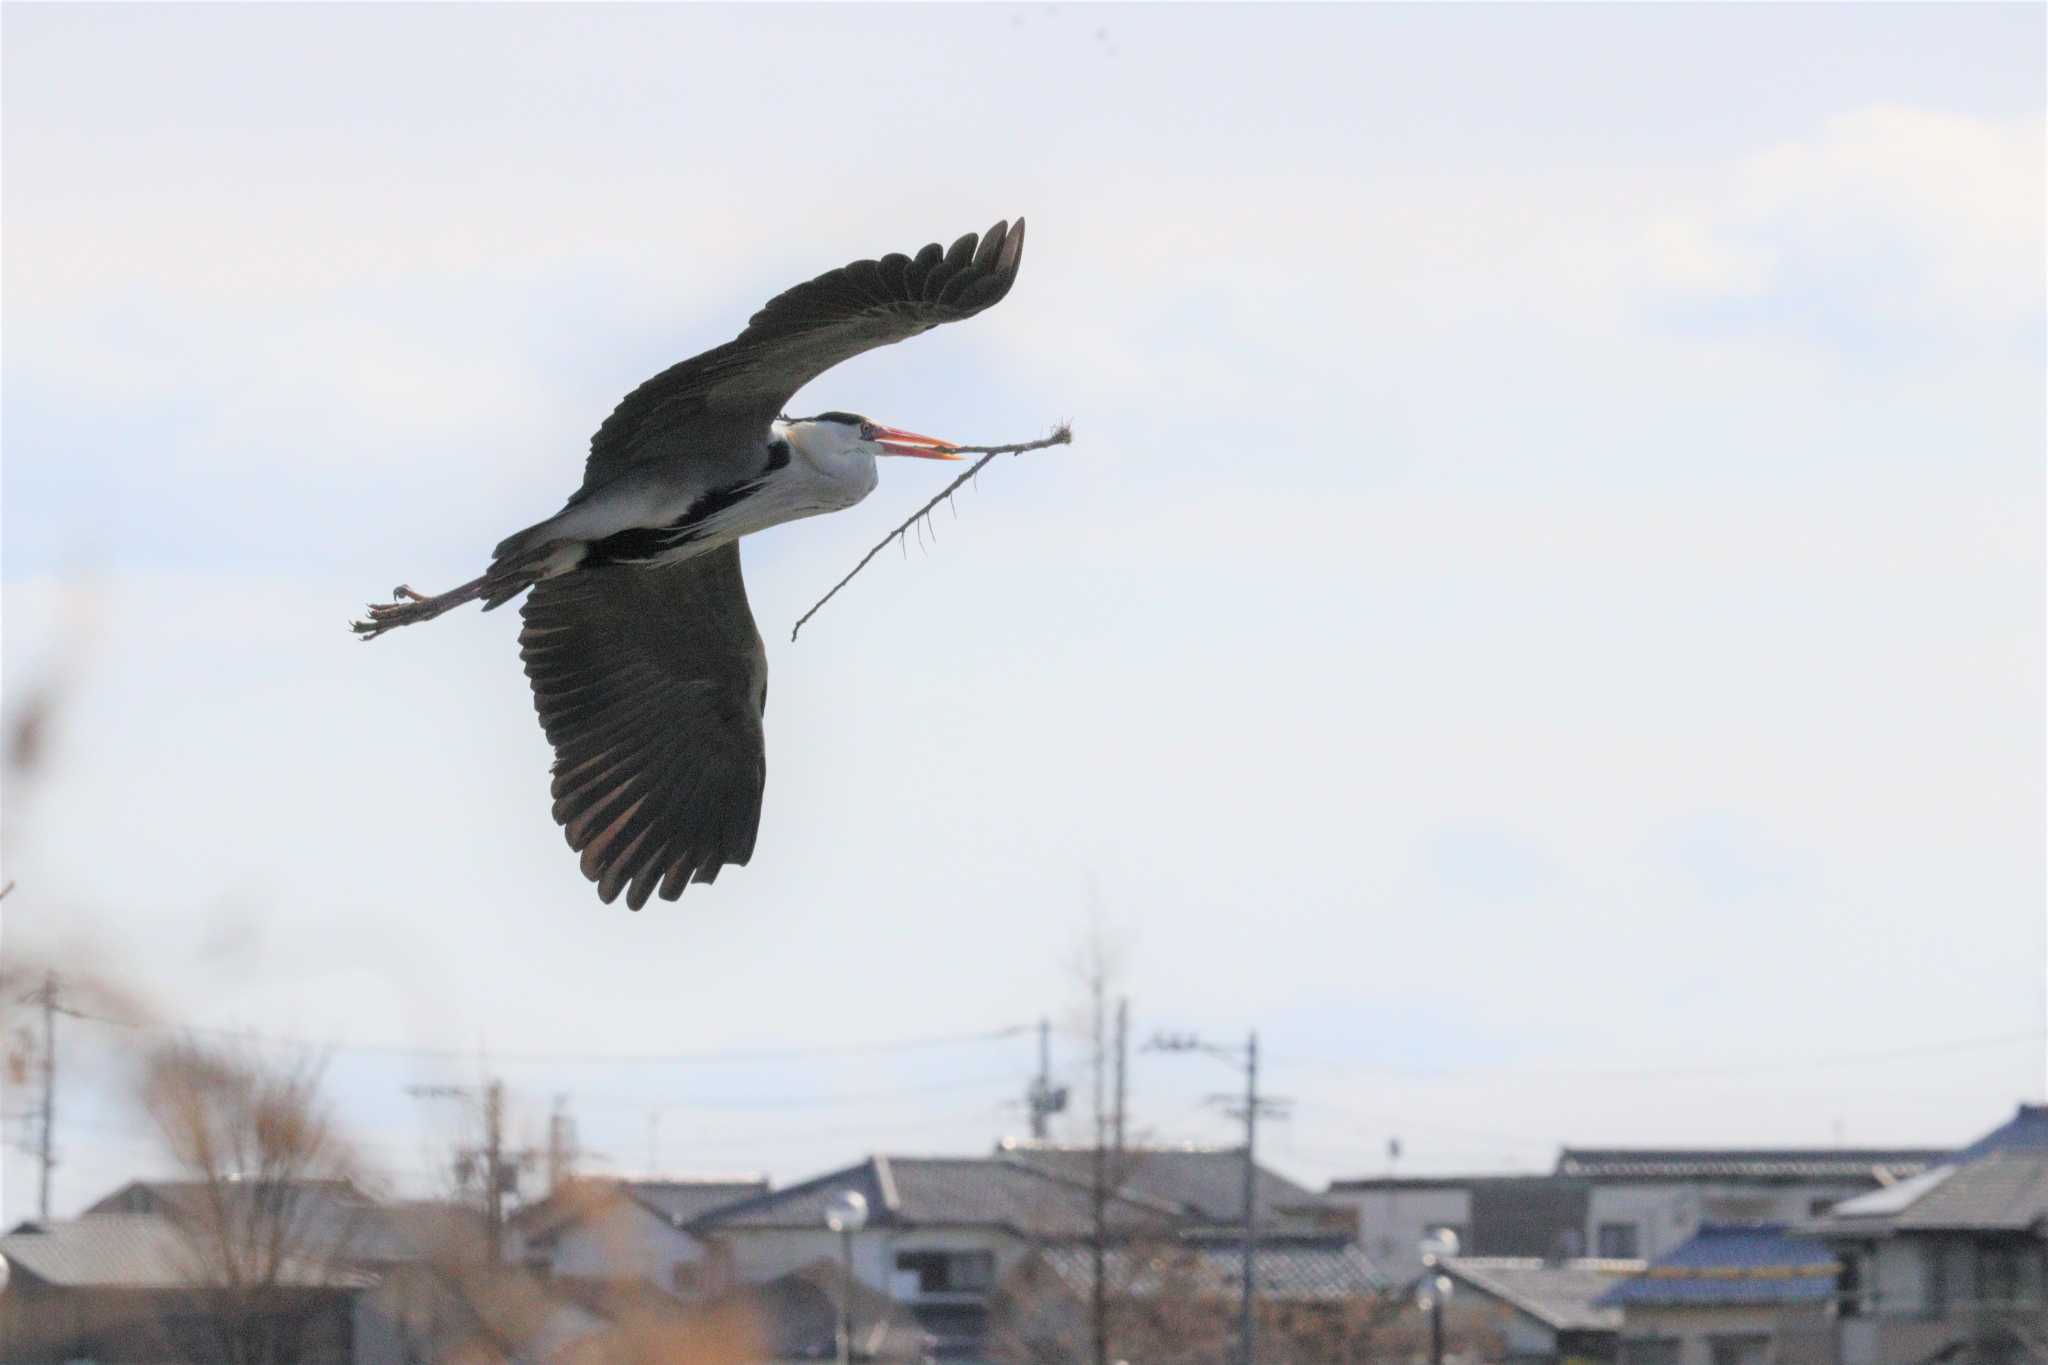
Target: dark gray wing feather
731, 392
651, 683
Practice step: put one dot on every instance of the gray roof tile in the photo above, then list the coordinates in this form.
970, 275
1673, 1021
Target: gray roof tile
940, 1191
1746, 1163
1558, 1294
2005, 1191
1289, 1272
130, 1251
1208, 1183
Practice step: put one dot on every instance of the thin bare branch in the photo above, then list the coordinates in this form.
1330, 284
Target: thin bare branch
1062, 435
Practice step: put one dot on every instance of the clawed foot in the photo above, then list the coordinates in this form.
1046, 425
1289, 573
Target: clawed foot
410, 607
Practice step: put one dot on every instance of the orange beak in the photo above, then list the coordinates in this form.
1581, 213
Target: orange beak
895, 442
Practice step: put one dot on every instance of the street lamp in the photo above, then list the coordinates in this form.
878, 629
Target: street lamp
1433, 1291
846, 1215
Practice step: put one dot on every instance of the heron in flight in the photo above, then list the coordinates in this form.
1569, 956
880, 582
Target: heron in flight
647, 671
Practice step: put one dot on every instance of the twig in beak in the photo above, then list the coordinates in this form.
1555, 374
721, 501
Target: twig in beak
1062, 435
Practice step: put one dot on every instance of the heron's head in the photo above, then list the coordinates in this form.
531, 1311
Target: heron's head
832, 439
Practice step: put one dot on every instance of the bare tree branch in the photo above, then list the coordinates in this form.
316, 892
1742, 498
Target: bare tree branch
1062, 435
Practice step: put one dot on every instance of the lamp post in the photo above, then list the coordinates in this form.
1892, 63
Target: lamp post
846, 1215
1433, 1291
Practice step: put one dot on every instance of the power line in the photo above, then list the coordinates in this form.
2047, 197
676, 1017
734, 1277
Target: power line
799, 1101
570, 1058
1680, 1069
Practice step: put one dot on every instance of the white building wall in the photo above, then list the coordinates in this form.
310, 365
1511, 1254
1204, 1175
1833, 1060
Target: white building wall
1898, 1275
1392, 1223
1667, 1213
628, 1242
618, 1240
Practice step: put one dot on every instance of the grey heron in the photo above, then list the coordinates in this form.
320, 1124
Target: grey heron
648, 673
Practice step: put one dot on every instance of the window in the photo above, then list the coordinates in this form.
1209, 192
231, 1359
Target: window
1749, 1348
1849, 1285
1935, 1304
1998, 1274
1649, 1351
1618, 1241
949, 1272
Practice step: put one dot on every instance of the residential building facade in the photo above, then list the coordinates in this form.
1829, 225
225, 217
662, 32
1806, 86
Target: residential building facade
1951, 1266
1732, 1294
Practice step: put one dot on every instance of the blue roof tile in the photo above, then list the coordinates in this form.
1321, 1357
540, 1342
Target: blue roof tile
1751, 1263
2026, 1130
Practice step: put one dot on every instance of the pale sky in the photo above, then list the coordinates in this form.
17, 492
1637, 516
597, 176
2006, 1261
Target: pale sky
1543, 616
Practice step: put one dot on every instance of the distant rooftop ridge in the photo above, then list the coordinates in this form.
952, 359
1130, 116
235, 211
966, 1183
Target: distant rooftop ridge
1602, 1265
1621, 1163
672, 1177
1017, 1144
2026, 1130
1618, 1164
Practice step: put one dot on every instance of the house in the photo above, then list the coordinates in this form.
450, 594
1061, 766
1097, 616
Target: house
1170, 1299
1646, 1202
1206, 1184
1732, 1294
941, 1232
1952, 1265
1515, 1216
1544, 1312
1616, 1203
628, 1229
132, 1287
345, 1224
149, 1276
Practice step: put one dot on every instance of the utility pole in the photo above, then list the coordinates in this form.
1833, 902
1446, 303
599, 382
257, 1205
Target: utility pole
1247, 1328
1123, 1052
494, 1163
500, 1168
46, 1154
1099, 1186
1042, 1098
1252, 1105
561, 1144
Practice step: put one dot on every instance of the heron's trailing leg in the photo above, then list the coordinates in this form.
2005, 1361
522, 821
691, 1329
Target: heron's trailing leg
413, 607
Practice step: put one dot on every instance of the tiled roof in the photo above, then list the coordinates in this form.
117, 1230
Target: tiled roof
1376, 1183
1208, 1183
1747, 1163
674, 1201
130, 1251
157, 1196
940, 1192
681, 1201
1734, 1263
1290, 1272
2026, 1130
2006, 1191
332, 1215
1559, 1294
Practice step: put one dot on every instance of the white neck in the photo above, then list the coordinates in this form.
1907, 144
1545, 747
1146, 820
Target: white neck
829, 468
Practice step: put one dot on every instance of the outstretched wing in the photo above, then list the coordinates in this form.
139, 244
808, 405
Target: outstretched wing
651, 683
800, 334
